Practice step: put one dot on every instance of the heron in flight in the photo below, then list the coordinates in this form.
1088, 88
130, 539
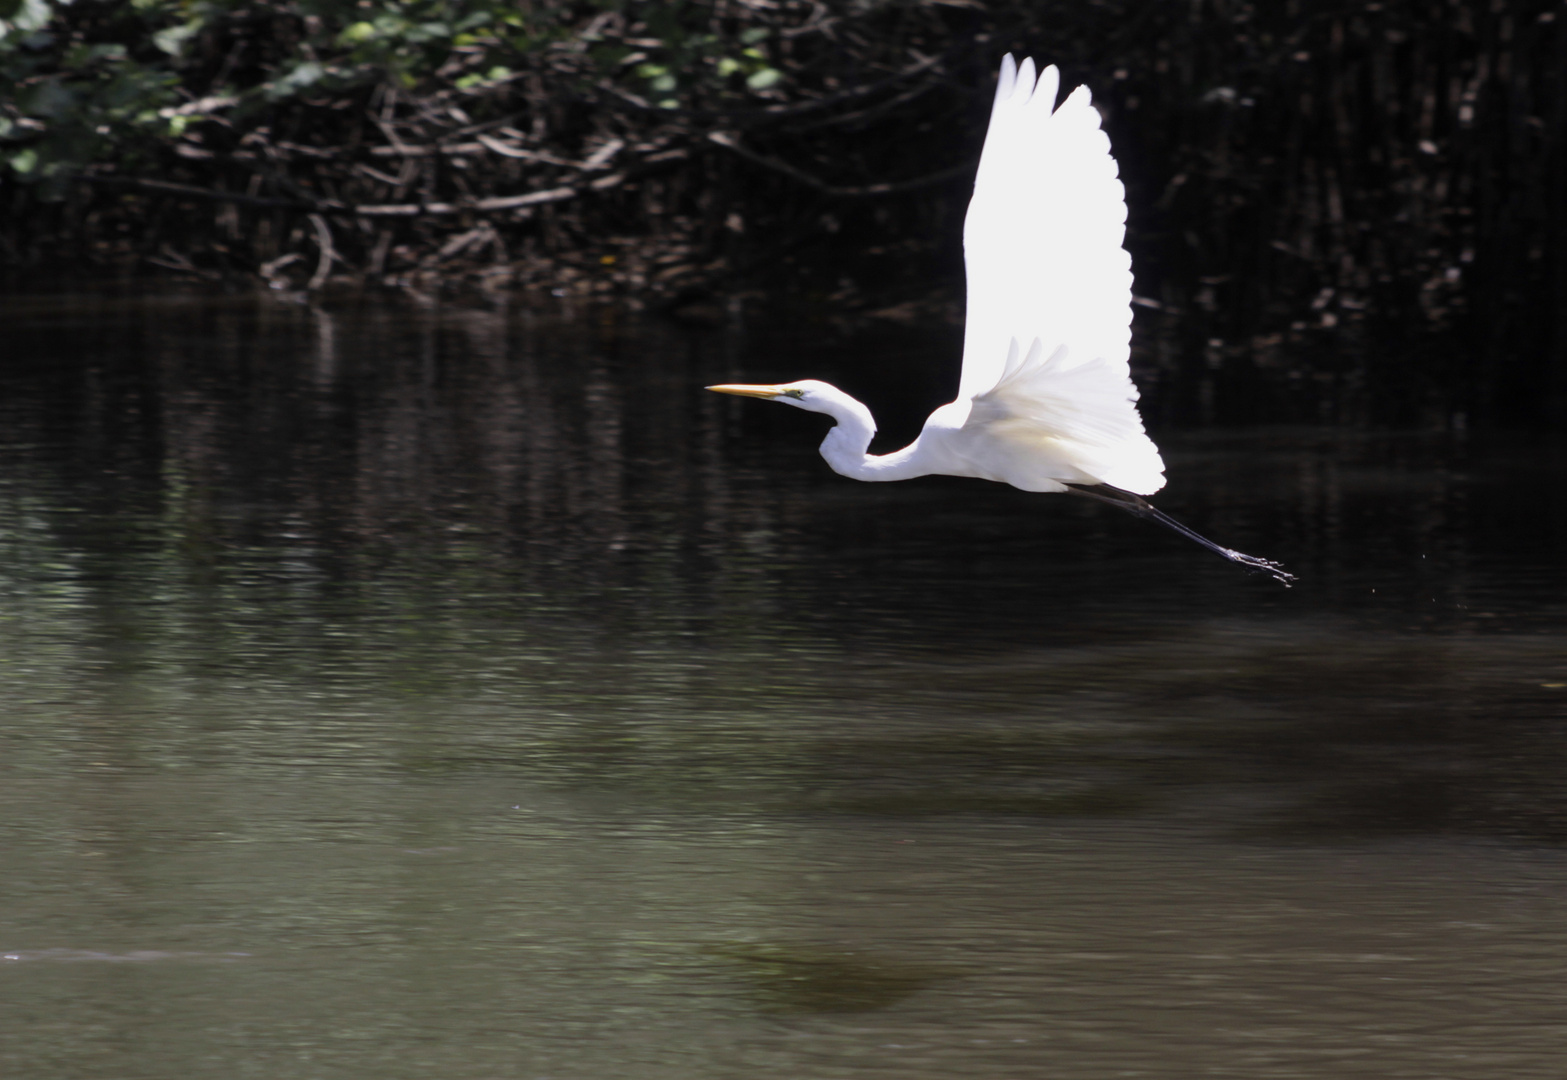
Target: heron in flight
1046, 400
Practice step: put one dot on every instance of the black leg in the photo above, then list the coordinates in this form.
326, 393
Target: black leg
1141, 507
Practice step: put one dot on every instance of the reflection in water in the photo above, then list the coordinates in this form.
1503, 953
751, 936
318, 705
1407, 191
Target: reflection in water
466, 693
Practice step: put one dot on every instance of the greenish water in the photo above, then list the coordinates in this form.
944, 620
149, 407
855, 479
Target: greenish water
437, 692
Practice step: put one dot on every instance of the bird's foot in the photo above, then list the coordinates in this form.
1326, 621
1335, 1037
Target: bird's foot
1261, 566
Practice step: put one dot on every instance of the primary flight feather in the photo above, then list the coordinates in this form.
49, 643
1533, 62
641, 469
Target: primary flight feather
1046, 400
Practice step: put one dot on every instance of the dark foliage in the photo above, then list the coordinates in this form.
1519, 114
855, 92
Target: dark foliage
1343, 212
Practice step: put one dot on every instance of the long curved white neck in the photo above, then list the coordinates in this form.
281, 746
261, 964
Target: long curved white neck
846, 444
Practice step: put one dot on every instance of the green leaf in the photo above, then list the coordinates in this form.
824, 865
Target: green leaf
25, 17
24, 161
728, 66
302, 77
495, 74
174, 39
753, 35
427, 32
763, 79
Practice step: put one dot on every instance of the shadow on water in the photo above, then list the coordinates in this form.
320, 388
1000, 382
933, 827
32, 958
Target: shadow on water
468, 691
811, 979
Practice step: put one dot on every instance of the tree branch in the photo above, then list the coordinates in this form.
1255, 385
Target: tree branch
432, 209
729, 142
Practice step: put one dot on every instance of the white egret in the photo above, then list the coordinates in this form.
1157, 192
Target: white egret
1046, 400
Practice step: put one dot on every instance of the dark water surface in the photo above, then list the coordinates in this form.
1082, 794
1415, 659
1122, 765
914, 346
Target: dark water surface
467, 694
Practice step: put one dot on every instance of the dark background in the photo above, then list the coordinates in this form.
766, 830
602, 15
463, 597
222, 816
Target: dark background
1339, 213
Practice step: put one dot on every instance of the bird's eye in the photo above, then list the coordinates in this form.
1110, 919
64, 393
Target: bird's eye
796, 393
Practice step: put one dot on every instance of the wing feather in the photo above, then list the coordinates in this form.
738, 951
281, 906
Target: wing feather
1042, 243
1052, 420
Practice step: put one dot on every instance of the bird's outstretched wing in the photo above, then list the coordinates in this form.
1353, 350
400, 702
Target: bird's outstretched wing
1042, 242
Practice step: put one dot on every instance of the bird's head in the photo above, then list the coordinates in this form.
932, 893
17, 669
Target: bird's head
808, 394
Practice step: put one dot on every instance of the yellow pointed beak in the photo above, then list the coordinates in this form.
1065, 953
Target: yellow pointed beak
744, 390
